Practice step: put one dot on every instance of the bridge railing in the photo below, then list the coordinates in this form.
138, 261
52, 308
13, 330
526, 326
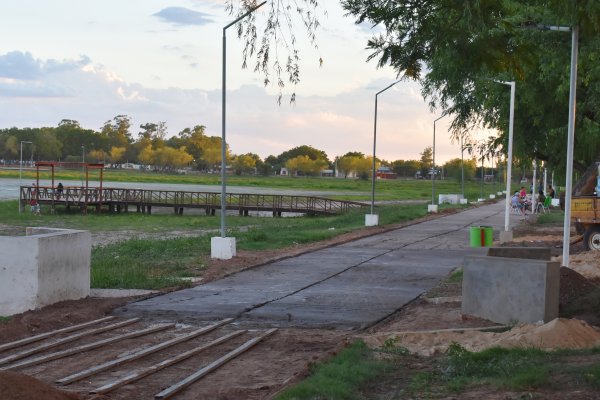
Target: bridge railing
81, 196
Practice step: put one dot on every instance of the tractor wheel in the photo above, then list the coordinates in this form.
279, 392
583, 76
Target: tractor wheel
591, 238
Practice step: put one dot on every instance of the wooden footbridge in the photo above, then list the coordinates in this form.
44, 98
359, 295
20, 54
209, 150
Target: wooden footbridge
122, 200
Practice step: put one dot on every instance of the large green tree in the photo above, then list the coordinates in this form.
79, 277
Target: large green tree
304, 150
456, 48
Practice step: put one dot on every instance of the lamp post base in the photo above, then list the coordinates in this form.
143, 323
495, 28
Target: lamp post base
432, 208
506, 236
222, 248
371, 219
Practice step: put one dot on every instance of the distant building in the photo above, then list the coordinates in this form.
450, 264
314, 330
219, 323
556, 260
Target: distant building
385, 173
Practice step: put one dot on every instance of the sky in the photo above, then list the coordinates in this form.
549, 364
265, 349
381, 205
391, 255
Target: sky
158, 60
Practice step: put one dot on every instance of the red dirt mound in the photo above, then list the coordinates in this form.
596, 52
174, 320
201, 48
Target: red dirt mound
15, 386
572, 286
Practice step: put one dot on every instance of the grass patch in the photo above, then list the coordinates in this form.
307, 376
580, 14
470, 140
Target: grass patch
591, 375
148, 264
4, 320
354, 373
456, 276
275, 233
339, 378
553, 217
514, 369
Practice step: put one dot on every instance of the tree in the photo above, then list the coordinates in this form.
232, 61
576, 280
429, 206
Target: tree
305, 165
426, 159
406, 168
245, 163
166, 158
156, 133
212, 156
11, 146
453, 168
146, 155
347, 164
455, 48
269, 165
47, 144
278, 32
364, 167
117, 131
355, 162
96, 156
304, 150
117, 154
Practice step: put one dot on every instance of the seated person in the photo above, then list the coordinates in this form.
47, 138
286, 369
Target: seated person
523, 192
517, 203
540, 200
550, 191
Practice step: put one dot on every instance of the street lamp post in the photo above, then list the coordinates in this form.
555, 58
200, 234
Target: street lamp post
432, 207
21, 173
570, 143
462, 166
223, 247
373, 219
507, 234
570, 133
82, 163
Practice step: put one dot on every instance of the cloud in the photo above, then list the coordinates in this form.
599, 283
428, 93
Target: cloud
92, 94
21, 75
182, 16
19, 65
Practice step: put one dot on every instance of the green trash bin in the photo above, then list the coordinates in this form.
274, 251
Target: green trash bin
481, 236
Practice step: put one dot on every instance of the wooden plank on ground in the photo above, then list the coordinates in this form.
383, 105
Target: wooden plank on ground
139, 354
87, 347
163, 364
36, 338
64, 340
170, 391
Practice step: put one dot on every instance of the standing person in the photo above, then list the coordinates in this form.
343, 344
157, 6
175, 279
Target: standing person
35, 207
550, 191
540, 200
59, 190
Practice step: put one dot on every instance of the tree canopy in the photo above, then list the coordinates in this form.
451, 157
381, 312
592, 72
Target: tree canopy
457, 48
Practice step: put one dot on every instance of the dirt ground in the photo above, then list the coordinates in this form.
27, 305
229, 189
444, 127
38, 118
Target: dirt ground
284, 358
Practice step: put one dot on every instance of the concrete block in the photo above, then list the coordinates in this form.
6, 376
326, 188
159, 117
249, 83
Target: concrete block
492, 196
432, 208
480, 200
500, 194
464, 201
449, 198
531, 253
371, 219
222, 248
555, 202
506, 236
510, 290
44, 267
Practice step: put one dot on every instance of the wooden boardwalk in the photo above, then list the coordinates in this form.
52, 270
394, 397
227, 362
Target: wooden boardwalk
118, 200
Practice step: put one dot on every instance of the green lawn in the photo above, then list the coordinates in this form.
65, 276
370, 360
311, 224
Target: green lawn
349, 189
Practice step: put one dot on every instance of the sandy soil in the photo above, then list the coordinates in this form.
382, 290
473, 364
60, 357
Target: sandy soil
285, 357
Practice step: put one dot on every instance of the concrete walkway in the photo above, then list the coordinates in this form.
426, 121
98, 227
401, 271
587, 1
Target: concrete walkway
350, 286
